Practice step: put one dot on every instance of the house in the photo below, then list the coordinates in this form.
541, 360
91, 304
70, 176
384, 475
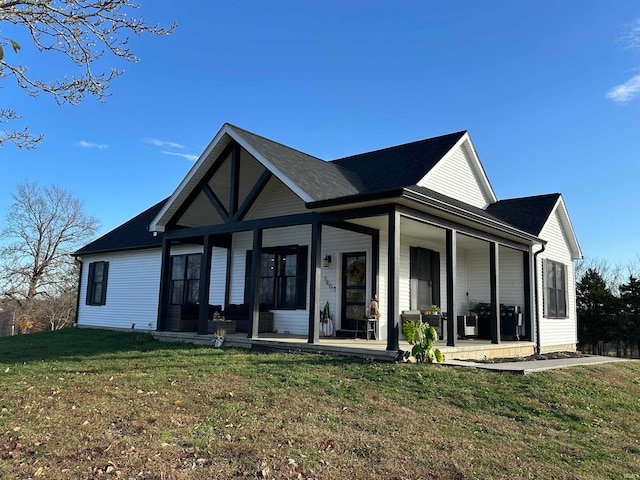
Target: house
256, 225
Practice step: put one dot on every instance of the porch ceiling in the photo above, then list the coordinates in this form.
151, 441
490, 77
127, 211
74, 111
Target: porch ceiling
415, 229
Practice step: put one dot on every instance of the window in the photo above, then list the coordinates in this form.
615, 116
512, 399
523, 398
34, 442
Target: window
555, 278
425, 278
283, 277
97, 283
185, 279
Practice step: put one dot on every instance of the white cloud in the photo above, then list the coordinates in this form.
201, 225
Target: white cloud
625, 92
193, 158
632, 39
85, 144
161, 143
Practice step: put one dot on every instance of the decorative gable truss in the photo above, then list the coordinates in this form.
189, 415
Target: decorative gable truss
220, 193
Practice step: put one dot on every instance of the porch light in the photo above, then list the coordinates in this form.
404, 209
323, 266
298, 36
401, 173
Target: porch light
326, 261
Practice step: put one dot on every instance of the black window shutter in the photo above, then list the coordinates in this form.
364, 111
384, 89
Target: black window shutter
105, 276
413, 278
248, 277
90, 275
301, 281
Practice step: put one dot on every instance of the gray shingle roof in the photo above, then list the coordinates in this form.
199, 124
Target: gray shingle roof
372, 172
400, 166
387, 170
131, 235
321, 180
528, 214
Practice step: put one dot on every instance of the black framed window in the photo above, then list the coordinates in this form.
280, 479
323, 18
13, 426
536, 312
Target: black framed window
185, 279
424, 273
555, 288
97, 283
283, 277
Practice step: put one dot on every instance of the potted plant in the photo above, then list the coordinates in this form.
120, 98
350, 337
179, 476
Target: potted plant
433, 310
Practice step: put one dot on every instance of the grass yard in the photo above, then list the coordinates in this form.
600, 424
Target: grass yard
96, 404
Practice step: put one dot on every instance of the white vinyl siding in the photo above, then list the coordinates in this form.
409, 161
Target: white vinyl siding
292, 321
200, 213
276, 200
457, 176
336, 242
133, 289
511, 277
557, 331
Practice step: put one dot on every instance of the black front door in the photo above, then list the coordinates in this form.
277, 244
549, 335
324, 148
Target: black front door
354, 289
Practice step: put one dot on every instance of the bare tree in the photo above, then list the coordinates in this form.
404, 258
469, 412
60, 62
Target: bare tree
44, 226
81, 30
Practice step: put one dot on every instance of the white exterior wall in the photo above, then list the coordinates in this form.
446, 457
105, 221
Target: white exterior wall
456, 176
557, 331
511, 277
478, 284
295, 322
276, 200
336, 242
133, 286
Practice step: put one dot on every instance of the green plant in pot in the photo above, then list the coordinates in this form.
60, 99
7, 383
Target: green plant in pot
422, 336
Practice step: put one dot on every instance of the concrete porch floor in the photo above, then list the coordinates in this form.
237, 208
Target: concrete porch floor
367, 349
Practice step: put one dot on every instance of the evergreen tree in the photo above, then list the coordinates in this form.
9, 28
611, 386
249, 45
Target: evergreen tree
630, 311
596, 307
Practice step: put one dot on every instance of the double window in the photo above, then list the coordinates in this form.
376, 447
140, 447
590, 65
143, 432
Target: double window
97, 283
555, 289
282, 277
185, 279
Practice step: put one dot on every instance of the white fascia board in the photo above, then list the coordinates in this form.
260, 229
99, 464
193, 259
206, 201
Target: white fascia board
471, 151
569, 232
157, 225
293, 186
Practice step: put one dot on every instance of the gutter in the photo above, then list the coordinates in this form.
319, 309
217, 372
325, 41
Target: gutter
535, 295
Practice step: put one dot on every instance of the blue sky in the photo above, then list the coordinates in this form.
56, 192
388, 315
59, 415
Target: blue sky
549, 91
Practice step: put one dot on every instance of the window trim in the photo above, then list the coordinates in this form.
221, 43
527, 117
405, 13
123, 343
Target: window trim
302, 258
92, 284
185, 277
552, 292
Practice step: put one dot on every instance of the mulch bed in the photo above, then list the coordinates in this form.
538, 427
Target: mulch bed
546, 356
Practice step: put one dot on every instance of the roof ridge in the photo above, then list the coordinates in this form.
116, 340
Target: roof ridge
460, 133
541, 195
276, 142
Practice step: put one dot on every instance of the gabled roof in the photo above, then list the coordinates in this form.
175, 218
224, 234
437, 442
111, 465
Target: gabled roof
526, 213
531, 214
131, 235
317, 178
388, 173
400, 166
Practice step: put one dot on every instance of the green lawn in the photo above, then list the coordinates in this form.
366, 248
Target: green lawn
96, 404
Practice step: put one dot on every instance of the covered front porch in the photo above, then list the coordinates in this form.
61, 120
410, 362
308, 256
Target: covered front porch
410, 259
371, 349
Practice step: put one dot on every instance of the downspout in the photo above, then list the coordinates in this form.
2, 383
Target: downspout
535, 295
75, 322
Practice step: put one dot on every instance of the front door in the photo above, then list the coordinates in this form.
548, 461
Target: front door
354, 289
